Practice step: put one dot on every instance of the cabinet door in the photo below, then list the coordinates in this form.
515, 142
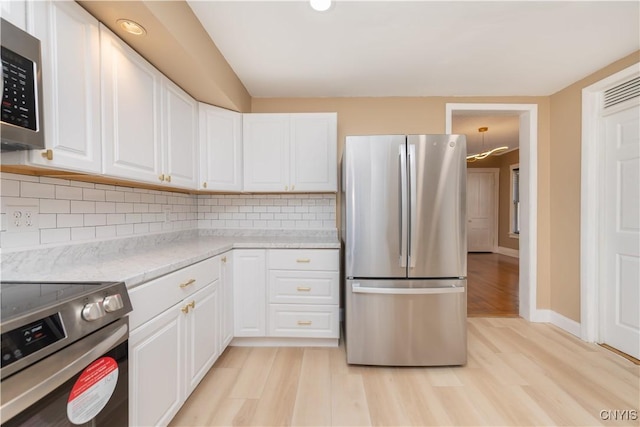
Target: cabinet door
314, 163
249, 293
227, 300
180, 136
156, 370
202, 322
266, 152
15, 11
220, 149
70, 39
131, 112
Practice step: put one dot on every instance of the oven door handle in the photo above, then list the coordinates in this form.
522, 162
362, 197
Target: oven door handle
30, 385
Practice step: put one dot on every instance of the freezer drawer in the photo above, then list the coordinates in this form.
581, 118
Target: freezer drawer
406, 322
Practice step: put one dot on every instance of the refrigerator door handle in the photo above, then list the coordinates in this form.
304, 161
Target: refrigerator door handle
402, 171
357, 289
413, 191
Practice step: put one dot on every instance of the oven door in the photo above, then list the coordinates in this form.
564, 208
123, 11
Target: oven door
86, 383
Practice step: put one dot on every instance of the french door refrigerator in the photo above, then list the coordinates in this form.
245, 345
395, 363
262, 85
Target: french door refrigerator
404, 234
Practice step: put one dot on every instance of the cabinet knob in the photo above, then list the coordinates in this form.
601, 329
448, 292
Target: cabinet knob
185, 309
161, 177
224, 259
293, 187
192, 304
204, 185
168, 178
47, 154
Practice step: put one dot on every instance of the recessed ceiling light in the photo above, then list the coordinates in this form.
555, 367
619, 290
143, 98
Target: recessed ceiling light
320, 5
131, 27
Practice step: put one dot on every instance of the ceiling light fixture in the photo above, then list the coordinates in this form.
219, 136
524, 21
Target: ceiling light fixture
487, 153
320, 5
131, 27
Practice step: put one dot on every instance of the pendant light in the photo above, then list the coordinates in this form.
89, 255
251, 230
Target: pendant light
484, 154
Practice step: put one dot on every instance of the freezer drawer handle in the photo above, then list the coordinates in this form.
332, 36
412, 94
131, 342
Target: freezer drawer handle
356, 288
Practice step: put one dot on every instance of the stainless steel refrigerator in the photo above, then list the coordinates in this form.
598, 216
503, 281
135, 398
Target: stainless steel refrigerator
404, 234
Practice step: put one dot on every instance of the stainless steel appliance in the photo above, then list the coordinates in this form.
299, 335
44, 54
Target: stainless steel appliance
64, 354
21, 115
404, 235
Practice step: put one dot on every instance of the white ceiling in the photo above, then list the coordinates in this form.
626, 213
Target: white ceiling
418, 48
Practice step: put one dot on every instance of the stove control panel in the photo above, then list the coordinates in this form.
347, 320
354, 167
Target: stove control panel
30, 338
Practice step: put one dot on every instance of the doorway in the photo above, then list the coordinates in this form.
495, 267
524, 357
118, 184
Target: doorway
527, 134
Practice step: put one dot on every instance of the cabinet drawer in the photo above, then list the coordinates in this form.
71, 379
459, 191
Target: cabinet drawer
304, 321
303, 259
303, 287
155, 296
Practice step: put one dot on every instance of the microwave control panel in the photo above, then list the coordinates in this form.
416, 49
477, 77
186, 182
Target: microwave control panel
18, 93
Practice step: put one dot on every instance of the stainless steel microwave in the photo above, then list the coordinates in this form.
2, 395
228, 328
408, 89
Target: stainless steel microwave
22, 115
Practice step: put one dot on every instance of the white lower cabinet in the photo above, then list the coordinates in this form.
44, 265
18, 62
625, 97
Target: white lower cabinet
286, 293
175, 339
249, 286
226, 298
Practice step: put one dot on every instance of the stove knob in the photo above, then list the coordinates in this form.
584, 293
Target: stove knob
112, 303
93, 311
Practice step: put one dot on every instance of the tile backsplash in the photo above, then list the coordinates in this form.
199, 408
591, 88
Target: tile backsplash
72, 211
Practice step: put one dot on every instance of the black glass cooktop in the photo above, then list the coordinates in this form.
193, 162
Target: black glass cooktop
21, 298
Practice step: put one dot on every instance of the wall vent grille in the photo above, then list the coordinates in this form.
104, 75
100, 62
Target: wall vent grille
621, 93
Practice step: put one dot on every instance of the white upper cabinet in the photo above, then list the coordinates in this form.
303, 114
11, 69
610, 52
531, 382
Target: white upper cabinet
70, 39
266, 152
131, 112
150, 125
314, 156
180, 136
290, 152
14, 11
220, 149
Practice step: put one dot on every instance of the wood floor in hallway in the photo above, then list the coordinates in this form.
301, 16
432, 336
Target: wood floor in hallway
518, 374
492, 285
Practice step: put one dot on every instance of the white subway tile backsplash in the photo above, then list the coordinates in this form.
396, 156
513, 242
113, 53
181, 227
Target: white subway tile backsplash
78, 211
37, 190
55, 206
10, 188
70, 220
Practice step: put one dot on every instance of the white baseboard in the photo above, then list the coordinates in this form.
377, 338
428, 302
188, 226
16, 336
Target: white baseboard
557, 319
283, 342
508, 252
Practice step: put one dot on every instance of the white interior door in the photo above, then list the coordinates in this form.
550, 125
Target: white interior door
482, 196
620, 232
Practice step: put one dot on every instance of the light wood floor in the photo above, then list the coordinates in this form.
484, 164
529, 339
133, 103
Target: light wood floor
518, 373
492, 285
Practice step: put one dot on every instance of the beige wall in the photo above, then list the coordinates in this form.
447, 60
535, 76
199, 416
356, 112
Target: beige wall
427, 115
503, 163
566, 135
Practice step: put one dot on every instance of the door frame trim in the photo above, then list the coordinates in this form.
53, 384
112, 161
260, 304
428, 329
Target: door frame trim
528, 276
495, 238
591, 198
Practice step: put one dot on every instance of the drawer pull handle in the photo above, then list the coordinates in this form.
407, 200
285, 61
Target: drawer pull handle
224, 259
192, 304
304, 322
187, 283
303, 260
304, 288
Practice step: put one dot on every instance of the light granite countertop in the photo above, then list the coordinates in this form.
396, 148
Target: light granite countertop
139, 259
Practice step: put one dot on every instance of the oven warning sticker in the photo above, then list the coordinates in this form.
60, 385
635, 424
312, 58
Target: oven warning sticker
92, 390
